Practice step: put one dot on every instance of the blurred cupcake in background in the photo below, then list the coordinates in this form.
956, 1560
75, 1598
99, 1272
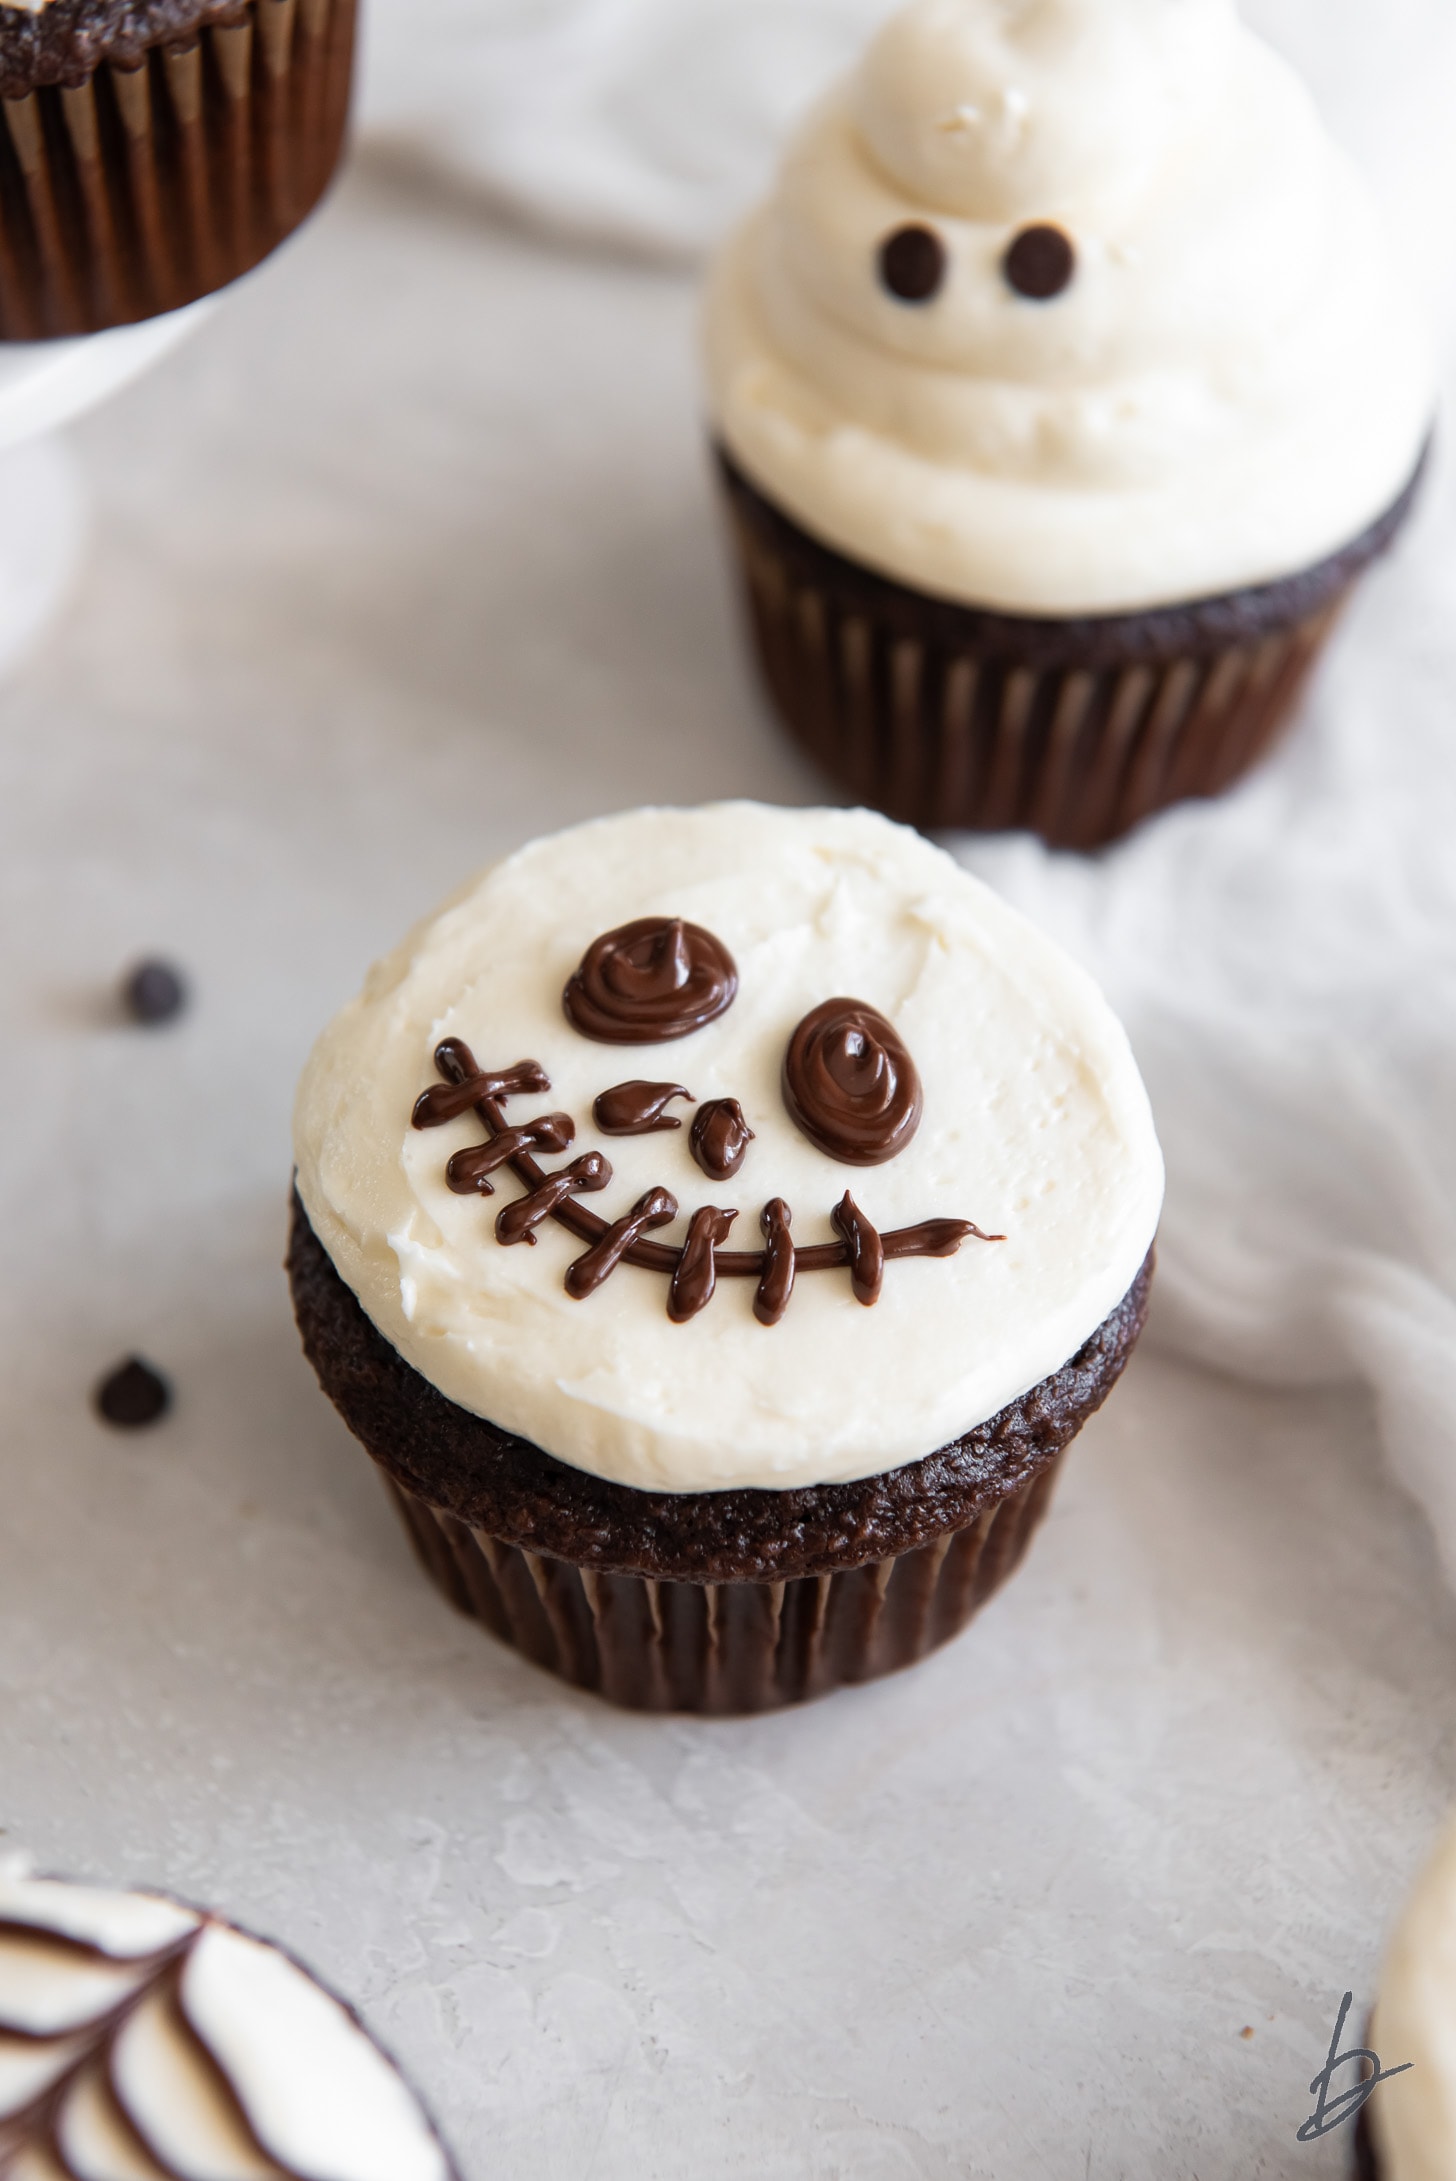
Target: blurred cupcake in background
1061, 391
153, 150
1407, 2124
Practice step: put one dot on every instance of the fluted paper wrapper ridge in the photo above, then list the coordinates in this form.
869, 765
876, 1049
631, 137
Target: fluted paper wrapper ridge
944, 730
136, 191
730, 1648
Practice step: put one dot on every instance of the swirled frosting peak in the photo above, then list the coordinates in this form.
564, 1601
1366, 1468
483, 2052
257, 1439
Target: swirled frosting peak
993, 111
1069, 306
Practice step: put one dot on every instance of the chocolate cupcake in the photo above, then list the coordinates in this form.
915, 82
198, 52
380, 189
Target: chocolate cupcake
1408, 2124
153, 150
1060, 394
716, 1224
143, 2038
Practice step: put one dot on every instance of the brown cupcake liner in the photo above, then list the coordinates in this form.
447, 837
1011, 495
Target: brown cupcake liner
135, 190
728, 1648
731, 1601
1078, 729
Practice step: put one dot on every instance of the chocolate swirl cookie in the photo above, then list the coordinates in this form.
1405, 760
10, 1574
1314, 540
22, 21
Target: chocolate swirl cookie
142, 2037
649, 981
850, 1084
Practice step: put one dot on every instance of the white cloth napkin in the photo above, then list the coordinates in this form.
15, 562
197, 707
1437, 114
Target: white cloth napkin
639, 122
651, 122
1286, 959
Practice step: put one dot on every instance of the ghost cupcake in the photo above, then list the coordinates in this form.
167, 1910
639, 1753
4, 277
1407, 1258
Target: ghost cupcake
716, 1224
1061, 391
153, 150
144, 2040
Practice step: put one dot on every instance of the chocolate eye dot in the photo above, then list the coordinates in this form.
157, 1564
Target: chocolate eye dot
912, 264
1040, 263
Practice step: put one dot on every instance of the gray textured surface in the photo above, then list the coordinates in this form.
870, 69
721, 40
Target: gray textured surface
406, 556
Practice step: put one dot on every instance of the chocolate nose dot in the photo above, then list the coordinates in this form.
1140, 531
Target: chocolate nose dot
1040, 263
912, 264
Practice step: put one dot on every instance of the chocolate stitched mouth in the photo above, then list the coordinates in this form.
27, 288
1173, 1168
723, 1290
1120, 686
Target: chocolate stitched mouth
863, 1250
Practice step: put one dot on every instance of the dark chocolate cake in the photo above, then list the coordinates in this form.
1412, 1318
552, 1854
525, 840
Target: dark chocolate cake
609, 1586
1076, 727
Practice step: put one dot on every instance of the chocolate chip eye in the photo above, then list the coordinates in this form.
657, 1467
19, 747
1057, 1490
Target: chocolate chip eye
912, 264
1040, 263
850, 1084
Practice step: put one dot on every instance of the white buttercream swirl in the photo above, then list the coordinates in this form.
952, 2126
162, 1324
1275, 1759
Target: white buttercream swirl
1413, 2117
141, 2040
1230, 389
1035, 1125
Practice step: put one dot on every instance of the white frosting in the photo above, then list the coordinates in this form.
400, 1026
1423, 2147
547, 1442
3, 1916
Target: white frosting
26, 2067
1413, 2118
180, 2049
128, 1926
1035, 1125
180, 2108
35, 2164
1231, 388
255, 2012
95, 2140
50, 1994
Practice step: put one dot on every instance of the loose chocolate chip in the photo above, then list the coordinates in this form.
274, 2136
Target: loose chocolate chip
154, 992
912, 264
133, 1395
1040, 263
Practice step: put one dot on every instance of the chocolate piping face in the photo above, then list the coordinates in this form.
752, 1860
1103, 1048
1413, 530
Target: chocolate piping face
518, 1222
467, 1171
720, 1138
697, 1272
654, 1208
850, 1085
650, 981
638, 1108
624, 1241
776, 1283
446, 1101
866, 1250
